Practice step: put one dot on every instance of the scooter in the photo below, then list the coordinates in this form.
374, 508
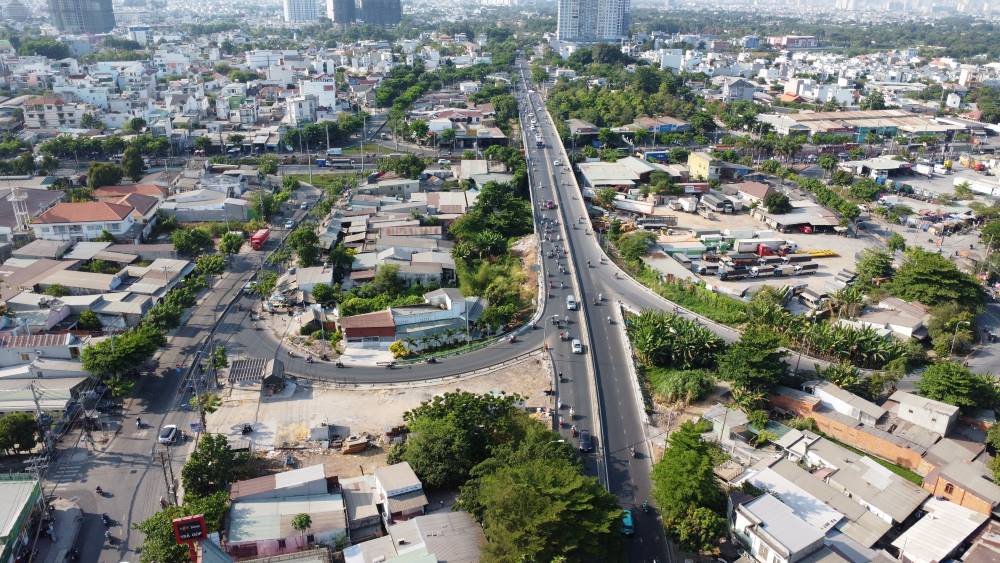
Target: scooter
339, 364
106, 520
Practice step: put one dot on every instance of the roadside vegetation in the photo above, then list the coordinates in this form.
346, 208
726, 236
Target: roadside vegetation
520, 480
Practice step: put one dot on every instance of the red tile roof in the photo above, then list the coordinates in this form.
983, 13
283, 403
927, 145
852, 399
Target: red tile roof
377, 319
126, 189
84, 212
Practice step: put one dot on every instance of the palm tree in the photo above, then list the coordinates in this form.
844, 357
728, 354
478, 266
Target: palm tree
206, 403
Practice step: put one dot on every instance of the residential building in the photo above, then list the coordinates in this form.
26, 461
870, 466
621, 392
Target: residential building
19, 496
844, 402
960, 471
938, 535
454, 537
17, 223
302, 109
656, 125
400, 492
301, 11
18, 349
84, 221
735, 88
380, 12
773, 533
592, 20
934, 415
341, 12
260, 517
52, 112
703, 166
82, 16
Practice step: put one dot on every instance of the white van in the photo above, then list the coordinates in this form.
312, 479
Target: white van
571, 303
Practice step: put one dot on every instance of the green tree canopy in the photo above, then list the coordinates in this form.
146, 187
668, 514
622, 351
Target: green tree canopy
953, 383
664, 339
18, 432
777, 203
213, 465
754, 362
159, 544
103, 174
932, 279
191, 242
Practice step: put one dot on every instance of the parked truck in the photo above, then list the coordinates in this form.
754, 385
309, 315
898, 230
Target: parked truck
924, 169
258, 239
754, 244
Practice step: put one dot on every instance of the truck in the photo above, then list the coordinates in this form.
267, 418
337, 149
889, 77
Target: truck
688, 204
806, 269
258, 239
754, 244
737, 273
925, 169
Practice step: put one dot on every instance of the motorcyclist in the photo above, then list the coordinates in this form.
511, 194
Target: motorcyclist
138, 422
99, 490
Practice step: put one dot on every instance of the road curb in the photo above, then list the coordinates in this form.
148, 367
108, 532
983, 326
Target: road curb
347, 385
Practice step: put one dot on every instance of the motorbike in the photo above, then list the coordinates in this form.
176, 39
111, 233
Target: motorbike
309, 359
339, 364
325, 358
432, 360
100, 491
632, 451
106, 520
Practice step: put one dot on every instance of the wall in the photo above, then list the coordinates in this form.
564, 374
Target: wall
855, 436
958, 495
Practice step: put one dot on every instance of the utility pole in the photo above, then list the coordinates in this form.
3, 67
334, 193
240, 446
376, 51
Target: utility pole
168, 474
46, 437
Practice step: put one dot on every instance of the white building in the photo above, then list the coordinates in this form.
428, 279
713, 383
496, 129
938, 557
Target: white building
924, 412
324, 90
52, 112
301, 10
774, 533
592, 20
83, 221
302, 109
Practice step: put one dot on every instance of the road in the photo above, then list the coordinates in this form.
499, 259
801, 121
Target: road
128, 467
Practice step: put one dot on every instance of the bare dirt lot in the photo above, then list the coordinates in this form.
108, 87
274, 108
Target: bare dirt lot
282, 422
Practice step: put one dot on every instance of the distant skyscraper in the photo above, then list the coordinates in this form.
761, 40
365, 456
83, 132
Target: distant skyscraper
82, 16
16, 11
592, 20
341, 11
381, 12
301, 10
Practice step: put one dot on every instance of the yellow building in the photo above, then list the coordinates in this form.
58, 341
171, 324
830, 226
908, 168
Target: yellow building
703, 167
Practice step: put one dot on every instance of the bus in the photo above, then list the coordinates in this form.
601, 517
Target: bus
339, 163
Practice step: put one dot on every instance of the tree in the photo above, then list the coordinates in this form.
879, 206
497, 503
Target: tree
88, 320
210, 264
952, 327
102, 174
872, 266
699, 528
755, 362
134, 125
212, 466
105, 236
663, 339
267, 165
235, 140
419, 129
122, 353
159, 544
605, 197
895, 243
953, 383
56, 290
206, 403
133, 164
991, 234
932, 279
635, 245
683, 479
305, 242
324, 294
452, 433
18, 432
230, 243
777, 203
827, 162
266, 281
88, 121
302, 522
873, 101
448, 136
191, 242
203, 144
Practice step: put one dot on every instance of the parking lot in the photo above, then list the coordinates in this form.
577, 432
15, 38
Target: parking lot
844, 247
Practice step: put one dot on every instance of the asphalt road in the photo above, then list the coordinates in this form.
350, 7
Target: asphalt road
129, 467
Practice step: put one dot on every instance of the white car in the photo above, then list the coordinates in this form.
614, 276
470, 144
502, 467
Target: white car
444, 161
289, 224
169, 434
556, 162
304, 205
577, 346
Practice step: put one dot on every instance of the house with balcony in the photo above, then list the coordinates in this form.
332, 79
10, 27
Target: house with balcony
86, 220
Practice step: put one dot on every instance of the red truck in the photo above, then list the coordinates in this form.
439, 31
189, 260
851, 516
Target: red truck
258, 239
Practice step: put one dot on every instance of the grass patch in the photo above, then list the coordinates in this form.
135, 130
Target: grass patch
720, 308
327, 182
669, 384
898, 470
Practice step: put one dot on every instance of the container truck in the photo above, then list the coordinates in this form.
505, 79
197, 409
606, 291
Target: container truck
754, 244
806, 269
924, 169
258, 239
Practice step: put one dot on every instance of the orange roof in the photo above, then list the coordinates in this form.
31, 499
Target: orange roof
85, 212
126, 189
379, 319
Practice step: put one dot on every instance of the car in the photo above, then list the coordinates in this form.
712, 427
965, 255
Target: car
577, 346
628, 528
304, 205
556, 162
289, 224
444, 161
169, 434
586, 442
250, 285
